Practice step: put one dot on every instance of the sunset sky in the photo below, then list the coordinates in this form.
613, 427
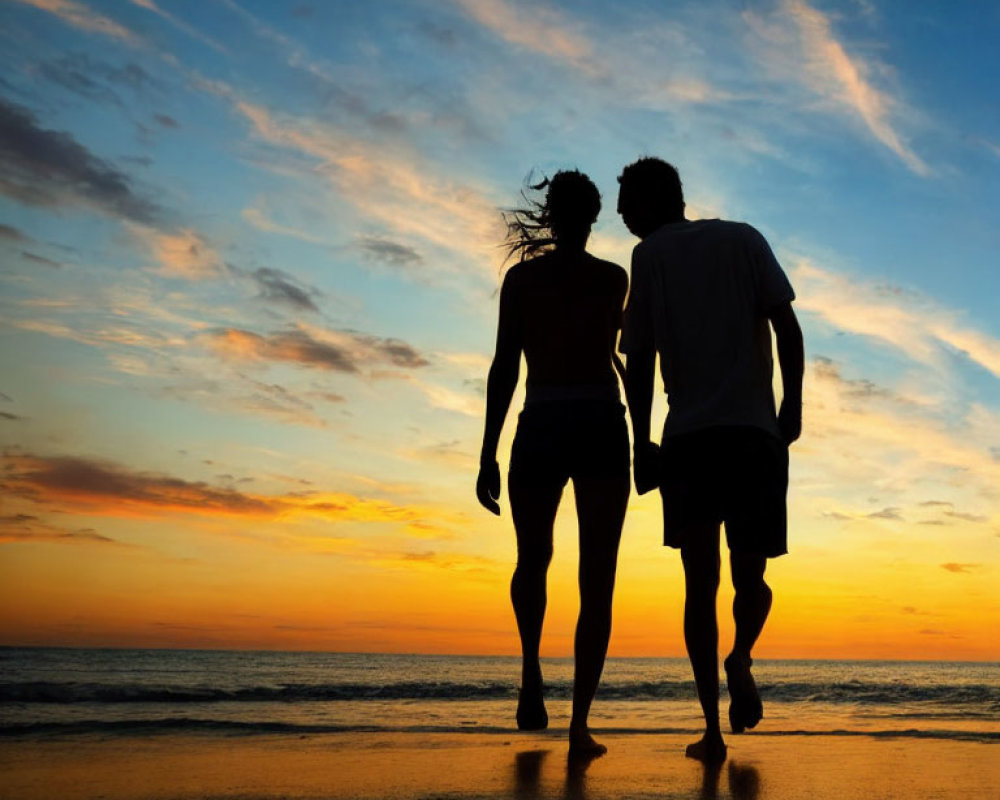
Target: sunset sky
248, 289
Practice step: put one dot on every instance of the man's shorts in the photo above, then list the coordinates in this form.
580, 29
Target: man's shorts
556, 441
737, 475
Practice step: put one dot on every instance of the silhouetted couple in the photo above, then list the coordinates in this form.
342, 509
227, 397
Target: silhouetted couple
704, 297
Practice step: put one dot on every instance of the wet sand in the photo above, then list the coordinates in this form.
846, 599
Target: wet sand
490, 765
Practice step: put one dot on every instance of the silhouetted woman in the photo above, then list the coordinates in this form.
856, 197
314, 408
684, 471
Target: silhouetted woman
562, 308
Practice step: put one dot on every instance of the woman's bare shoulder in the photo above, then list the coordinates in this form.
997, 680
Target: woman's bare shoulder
524, 271
614, 272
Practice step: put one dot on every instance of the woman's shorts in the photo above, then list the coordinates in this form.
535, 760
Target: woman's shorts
556, 441
737, 475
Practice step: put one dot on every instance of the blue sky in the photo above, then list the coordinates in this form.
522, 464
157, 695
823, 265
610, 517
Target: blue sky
252, 248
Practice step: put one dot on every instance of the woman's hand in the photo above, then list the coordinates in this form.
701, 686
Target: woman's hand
488, 486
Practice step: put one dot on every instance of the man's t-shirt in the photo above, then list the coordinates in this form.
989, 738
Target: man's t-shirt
700, 296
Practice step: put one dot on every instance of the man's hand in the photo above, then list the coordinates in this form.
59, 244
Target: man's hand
646, 467
488, 487
790, 420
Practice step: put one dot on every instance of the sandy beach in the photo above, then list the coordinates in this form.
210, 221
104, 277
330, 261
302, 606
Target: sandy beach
490, 765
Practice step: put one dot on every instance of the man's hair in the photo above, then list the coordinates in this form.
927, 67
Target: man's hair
654, 182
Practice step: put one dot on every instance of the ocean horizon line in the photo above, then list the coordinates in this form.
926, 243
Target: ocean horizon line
512, 656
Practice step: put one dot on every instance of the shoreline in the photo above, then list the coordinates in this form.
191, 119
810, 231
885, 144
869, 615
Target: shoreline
475, 764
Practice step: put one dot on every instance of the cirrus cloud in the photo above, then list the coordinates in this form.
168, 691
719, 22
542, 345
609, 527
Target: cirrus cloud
311, 346
104, 488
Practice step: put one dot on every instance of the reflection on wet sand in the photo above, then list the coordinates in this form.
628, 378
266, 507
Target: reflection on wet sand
575, 787
743, 780
528, 775
528, 772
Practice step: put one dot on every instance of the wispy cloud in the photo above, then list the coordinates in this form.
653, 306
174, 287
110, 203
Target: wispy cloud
71, 72
686, 90
166, 121
454, 454
29, 528
386, 251
34, 258
911, 323
190, 30
434, 560
8, 233
112, 490
800, 43
967, 517
468, 403
259, 219
863, 441
960, 568
538, 28
84, 18
182, 253
277, 286
276, 401
891, 514
387, 187
95, 79
312, 346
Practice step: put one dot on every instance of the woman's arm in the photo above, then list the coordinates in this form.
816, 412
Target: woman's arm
500, 387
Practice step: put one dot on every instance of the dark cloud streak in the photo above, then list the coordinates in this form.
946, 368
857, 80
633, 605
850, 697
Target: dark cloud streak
389, 252
34, 477
11, 234
50, 168
280, 287
166, 121
344, 351
29, 528
37, 259
960, 568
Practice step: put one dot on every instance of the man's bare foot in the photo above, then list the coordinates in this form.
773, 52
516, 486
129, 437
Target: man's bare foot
745, 707
531, 713
582, 744
709, 750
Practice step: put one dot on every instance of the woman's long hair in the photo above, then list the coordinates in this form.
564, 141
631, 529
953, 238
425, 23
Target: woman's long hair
570, 208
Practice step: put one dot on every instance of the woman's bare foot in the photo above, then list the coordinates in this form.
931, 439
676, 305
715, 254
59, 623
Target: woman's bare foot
582, 744
531, 713
745, 707
710, 749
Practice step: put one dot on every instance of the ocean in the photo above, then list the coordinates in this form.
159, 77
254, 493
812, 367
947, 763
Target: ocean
118, 692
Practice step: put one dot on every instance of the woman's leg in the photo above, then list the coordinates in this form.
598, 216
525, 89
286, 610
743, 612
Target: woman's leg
600, 507
533, 507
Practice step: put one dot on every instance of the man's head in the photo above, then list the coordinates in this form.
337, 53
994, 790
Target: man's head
649, 195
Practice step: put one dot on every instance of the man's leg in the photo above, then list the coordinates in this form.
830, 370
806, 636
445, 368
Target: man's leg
700, 554
751, 606
533, 507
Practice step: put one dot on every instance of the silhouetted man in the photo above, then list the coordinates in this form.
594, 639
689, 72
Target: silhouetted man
704, 296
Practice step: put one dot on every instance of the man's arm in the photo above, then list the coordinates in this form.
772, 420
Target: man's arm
791, 359
637, 343
639, 396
